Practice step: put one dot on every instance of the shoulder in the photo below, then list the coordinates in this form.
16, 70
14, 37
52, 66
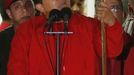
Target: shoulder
85, 21
82, 18
4, 25
31, 24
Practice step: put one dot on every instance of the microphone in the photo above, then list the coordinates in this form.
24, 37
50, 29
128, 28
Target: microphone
54, 15
66, 15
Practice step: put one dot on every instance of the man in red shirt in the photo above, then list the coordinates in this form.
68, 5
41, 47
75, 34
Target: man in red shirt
123, 64
116, 7
18, 11
34, 53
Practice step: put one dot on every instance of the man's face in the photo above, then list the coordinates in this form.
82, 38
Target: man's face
21, 10
116, 8
55, 4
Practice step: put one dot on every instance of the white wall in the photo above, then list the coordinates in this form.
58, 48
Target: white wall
89, 8
0, 19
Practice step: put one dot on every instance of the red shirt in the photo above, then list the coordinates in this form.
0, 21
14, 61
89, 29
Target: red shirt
4, 25
33, 52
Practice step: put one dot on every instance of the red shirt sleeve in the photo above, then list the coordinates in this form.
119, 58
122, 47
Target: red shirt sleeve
4, 25
114, 39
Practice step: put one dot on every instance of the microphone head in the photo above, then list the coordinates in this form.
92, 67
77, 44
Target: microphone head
66, 13
54, 15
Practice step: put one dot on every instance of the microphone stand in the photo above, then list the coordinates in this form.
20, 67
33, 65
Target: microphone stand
58, 60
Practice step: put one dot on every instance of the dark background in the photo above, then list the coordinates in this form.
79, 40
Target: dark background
1, 9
